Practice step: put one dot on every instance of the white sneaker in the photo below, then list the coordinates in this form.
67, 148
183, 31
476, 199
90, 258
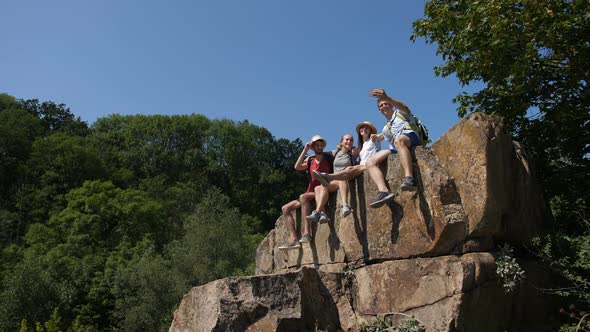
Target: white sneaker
290, 246
346, 210
314, 216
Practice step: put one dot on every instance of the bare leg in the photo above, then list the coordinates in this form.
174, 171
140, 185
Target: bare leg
287, 210
323, 194
373, 169
306, 199
348, 173
344, 192
403, 145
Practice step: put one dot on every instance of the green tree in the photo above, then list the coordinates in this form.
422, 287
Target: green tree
157, 153
24, 124
532, 62
217, 243
18, 131
71, 261
55, 117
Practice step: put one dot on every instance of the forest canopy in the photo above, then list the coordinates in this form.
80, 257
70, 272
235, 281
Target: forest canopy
105, 227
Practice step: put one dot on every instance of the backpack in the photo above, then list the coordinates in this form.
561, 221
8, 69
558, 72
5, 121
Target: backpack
422, 132
416, 125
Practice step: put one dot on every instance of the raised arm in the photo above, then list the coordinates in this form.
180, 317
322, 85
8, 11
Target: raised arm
301, 163
400, 105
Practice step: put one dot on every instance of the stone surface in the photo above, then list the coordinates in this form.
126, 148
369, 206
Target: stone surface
428, 222
431, 289
495, 181
291, 301
474, 186
425, 254
447, 293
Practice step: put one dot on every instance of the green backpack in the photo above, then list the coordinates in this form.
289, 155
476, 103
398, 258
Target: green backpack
416, 125
422, 132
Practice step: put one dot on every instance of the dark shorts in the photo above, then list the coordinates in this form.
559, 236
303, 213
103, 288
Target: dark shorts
414, 140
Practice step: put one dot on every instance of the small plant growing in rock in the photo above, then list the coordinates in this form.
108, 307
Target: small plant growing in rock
509, 273
383, 324
348, 273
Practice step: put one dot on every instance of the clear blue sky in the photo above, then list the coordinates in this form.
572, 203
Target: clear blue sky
296, 68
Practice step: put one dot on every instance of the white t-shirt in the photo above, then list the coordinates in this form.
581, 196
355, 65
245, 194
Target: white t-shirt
395, 127
369, 148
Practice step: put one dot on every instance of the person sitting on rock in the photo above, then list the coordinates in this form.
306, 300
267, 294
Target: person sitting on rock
320, 161
401, 132
370, 147
344, 157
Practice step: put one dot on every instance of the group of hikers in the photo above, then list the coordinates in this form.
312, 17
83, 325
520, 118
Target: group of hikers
331, 171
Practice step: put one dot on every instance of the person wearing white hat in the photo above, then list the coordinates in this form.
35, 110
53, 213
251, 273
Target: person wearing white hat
345, 156
320, 161
370, 146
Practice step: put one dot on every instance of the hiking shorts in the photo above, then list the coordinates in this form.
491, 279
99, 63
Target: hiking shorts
414, 140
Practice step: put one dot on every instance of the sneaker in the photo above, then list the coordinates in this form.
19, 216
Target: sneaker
314, 216
290, 246
324, 217
381, 198
346, 210
322, 177
408, 184
305, 239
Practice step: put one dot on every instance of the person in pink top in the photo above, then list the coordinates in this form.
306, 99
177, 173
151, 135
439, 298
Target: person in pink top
320, 161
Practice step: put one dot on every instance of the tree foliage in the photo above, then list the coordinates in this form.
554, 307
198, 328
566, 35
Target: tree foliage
533, 60
530, 62
105, 228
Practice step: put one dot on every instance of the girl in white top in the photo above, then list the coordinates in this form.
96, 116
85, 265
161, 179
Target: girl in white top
370, 147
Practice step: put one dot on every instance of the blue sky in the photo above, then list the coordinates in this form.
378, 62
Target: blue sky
297, 68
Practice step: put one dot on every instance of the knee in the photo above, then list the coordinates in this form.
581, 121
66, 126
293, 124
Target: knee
287, 209
401, 141
372, 162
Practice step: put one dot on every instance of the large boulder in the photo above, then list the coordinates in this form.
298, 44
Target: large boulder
447, 293
292, 301
495, 181
474, 186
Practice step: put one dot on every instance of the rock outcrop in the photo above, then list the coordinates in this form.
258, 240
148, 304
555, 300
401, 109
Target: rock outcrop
427, 254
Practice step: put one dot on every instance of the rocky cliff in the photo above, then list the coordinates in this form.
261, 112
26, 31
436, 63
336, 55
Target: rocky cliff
428, 254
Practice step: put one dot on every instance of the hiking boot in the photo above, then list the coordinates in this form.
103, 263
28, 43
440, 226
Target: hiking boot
290, 246
314, 216
305, 239
322, 177
324, 217
408, 184
346, 210
381, 198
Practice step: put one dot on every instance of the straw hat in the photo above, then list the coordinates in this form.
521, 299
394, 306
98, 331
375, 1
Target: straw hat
316, 138
366, 123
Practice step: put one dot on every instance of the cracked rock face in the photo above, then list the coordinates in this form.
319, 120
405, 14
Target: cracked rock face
424, 254
474, 185
447, 293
